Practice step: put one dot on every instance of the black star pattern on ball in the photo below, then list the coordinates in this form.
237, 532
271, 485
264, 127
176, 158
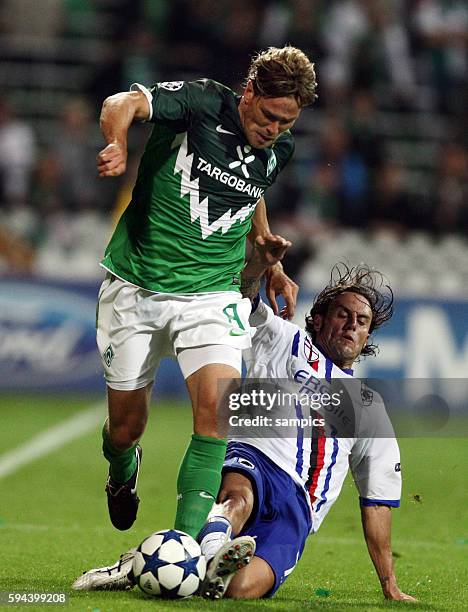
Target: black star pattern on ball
172, 534
152, 563
189, 566
169, 593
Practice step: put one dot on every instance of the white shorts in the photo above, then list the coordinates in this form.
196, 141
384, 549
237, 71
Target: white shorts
136, 328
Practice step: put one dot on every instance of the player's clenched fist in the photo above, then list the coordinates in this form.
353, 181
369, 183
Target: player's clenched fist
112, 160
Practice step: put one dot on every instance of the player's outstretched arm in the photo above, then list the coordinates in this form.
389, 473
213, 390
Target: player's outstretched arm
267, 252
277, 282
377, 525
117, 114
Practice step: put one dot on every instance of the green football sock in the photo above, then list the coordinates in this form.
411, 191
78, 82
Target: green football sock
198, 482
122, 463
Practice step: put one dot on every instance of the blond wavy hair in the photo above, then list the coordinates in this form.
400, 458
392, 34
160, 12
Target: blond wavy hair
277, 73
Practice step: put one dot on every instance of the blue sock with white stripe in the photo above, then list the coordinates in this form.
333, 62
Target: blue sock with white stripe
214, 533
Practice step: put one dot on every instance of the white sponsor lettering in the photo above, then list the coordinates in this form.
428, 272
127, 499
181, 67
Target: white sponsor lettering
229, 179
199, 208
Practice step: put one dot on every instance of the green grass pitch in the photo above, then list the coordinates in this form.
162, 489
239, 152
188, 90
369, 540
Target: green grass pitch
54, 524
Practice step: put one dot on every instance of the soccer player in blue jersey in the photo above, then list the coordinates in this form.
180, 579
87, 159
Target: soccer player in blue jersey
279, 488
273, 492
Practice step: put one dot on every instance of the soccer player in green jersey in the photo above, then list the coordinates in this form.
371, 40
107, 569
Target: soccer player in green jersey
175, 258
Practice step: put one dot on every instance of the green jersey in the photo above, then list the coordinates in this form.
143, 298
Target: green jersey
198, 183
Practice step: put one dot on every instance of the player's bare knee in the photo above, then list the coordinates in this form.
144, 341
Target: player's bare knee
234, 592
237, 592
205, 418
249, 583
235, 485
128, 415
243, 499
236, 499
125, 436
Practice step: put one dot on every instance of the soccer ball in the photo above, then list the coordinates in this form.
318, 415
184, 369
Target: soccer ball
169, 564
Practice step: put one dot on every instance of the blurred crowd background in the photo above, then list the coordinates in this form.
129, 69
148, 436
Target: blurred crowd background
380, 172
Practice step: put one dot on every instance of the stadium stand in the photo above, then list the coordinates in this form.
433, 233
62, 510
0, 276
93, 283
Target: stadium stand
381, 165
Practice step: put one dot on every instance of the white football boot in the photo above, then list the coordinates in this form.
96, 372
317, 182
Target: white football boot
117, 577
230, 558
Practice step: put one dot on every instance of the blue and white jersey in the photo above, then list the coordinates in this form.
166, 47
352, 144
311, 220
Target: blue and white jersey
319, 464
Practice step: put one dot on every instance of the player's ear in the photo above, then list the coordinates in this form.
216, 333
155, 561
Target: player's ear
317, 321
249, 91
365, 342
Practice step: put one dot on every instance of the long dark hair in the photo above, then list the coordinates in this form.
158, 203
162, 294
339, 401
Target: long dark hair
363, 280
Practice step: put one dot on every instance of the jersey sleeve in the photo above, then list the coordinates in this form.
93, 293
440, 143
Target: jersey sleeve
176, 100
270, 341
148, 95
375, 465
269, 328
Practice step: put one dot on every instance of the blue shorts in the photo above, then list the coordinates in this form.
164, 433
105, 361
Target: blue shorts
280, 518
